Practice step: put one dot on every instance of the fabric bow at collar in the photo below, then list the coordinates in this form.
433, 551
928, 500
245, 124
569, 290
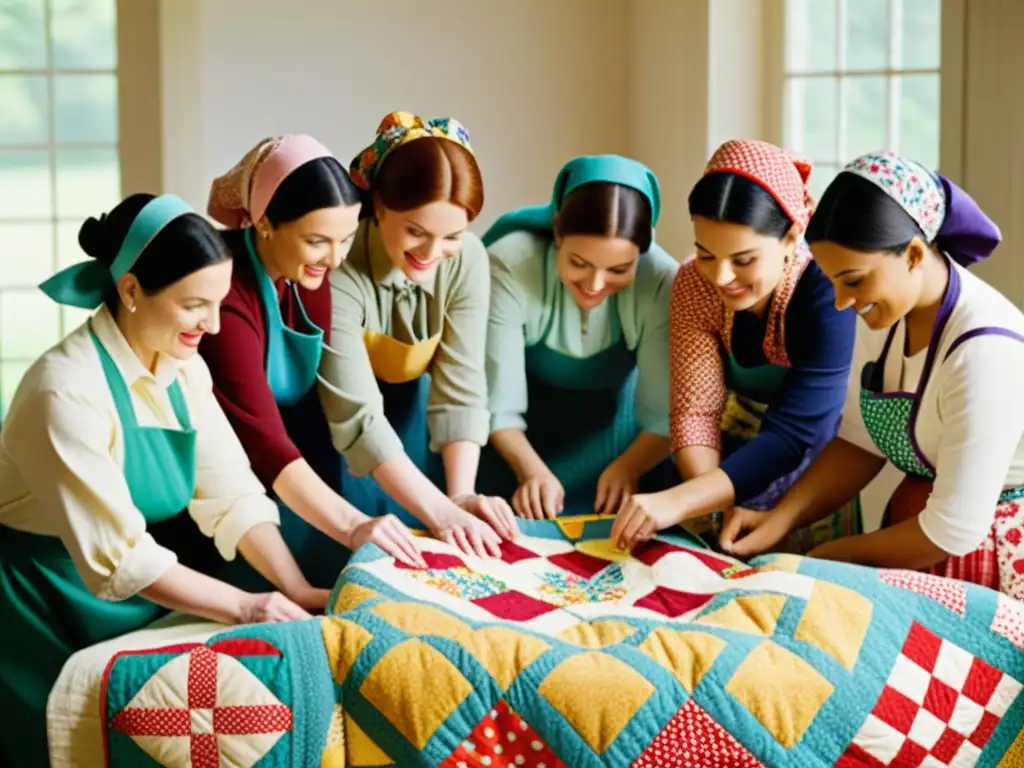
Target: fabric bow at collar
88, 283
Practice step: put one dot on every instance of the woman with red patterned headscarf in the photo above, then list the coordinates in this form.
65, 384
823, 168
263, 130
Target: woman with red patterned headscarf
760, 355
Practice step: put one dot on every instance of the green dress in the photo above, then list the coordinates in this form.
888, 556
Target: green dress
48, 613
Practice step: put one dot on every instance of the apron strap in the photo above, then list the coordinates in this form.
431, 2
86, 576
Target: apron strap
115, 382
179, 405
265, 286
122, 396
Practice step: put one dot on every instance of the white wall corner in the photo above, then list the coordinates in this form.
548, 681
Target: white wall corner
182, 78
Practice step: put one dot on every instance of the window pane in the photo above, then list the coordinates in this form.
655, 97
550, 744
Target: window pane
72, 317
84, 35
29, 324
866, 28
23, 109
811, 117
919, 119
866, 116
10, 375
26, 253
88, 182
22, 35
921, 33
821, 176
86, 108
68, 250
25, 185
811, 35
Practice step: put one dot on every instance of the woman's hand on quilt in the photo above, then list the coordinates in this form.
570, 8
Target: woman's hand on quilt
265, 607
642, 516
539, 496
493, 510
454, 525
390, 534
310, 598
747, 532
615, 486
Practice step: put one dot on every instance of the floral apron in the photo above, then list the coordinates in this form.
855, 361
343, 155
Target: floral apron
890, 419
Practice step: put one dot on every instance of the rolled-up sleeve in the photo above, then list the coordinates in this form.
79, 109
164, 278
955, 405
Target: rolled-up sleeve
229, 500
61, 446
982, 415
457, 408
506, 350
349, 393
654, 290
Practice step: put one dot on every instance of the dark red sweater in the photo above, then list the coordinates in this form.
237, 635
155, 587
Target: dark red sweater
273, 436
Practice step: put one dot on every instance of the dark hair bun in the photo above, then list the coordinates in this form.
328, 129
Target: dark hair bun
94, 238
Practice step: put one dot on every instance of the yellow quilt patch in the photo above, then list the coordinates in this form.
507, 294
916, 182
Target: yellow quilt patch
781, 690
836, 620
597, 694
416, 688
686, 654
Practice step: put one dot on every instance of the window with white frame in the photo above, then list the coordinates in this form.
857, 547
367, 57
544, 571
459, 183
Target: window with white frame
861, 75
59, 160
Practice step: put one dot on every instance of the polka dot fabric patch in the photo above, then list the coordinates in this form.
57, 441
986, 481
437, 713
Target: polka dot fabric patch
503, 739
692, 739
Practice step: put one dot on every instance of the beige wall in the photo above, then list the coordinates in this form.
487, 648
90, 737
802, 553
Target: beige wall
536, 83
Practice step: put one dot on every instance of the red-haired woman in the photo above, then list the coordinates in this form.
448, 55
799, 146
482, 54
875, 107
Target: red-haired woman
412, 300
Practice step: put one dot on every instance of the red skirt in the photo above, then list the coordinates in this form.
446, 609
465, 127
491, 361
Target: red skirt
998, 563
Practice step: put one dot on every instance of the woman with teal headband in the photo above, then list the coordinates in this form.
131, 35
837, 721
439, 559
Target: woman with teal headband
111, 436
577, 344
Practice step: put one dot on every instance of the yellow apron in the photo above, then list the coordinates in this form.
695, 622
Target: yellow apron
395, 362
400, 369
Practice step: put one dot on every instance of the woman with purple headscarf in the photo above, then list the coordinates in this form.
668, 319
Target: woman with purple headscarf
934, 388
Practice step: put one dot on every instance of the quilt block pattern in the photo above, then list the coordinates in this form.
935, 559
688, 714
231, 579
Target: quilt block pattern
568, 652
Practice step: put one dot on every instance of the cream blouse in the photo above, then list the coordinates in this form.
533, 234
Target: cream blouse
62, 461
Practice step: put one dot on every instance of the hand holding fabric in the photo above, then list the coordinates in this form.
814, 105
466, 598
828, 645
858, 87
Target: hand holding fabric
391, 535
643, 515
747, 532
540, 496
615, 486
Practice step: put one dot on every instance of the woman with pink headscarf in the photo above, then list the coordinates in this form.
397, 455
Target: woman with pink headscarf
292, 212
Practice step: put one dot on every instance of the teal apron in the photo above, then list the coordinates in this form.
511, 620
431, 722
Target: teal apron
890, 418
48, 613
581, 417
293, 358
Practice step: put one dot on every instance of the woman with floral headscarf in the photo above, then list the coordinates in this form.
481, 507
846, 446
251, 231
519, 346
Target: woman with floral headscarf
934, 387
412, 299
292, 213
760, 354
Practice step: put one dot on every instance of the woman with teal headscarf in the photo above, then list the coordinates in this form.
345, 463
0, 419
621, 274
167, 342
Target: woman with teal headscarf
111, 435
577, 343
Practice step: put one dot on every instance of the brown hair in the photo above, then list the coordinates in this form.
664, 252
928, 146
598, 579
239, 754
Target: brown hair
605, 209
430, 170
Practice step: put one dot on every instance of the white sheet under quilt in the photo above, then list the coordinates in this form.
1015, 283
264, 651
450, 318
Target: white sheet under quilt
72, 712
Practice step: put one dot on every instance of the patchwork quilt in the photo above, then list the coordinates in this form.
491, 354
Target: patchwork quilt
568, 652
